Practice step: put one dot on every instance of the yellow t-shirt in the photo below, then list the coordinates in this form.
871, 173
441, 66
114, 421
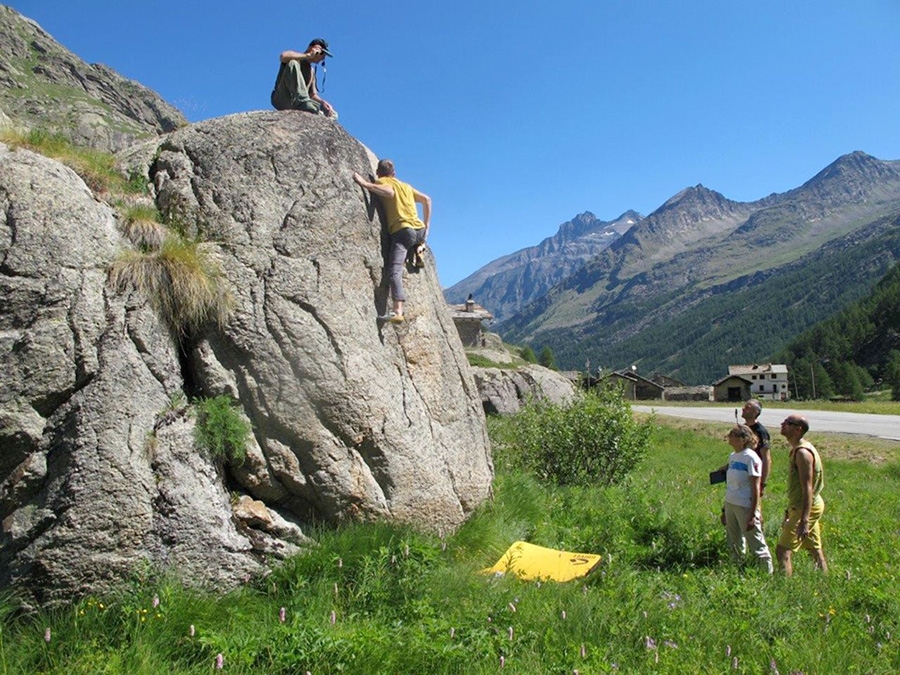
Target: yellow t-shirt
401, 210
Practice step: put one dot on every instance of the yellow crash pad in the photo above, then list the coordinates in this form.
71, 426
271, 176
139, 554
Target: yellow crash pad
529, 562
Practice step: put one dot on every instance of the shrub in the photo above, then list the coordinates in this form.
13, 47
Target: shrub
594, 440
221, 429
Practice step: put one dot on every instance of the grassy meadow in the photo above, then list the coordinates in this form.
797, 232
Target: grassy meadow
384, 599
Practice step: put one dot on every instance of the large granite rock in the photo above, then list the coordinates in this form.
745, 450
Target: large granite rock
88, 476
505, 390
99, 473
44, 85
353, 419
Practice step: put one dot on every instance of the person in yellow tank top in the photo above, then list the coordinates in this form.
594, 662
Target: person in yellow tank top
406, 229
806, 478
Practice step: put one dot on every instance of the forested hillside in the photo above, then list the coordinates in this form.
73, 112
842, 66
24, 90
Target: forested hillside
852, 350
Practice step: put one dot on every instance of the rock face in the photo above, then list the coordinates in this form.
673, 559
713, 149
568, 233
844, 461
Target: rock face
99, 473
43, 84
353, 419
504, 391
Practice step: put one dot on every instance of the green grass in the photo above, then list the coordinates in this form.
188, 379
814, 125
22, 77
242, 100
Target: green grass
379, 598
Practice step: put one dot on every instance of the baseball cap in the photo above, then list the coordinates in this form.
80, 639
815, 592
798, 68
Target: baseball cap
323, 44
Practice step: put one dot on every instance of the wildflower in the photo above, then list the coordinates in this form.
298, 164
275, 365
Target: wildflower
406, 551
220, 661
727, 650
848, 575
333, 617
670, 644
649, 642
502, 661
47, 636
340, 563
512, 607
282, 614
563, 615
510, 632
583, 651
335, 590
734, 663
773, 667
452, 632
155, 601
191, 631
443, 546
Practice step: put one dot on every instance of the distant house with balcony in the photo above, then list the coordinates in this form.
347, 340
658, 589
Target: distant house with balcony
765, 381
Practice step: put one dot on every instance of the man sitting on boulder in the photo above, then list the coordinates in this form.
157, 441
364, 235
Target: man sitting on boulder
406, 229
295, 86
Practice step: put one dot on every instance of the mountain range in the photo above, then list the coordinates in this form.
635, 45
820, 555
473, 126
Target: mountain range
703, 281
511, 282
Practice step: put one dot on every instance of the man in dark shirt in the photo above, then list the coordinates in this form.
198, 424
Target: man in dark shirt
750, 412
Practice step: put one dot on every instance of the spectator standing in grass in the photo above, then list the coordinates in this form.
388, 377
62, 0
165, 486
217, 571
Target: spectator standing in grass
806, 478
406, 229
751, 412
743, 523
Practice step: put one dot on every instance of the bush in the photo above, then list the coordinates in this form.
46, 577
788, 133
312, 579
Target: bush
593, 441
221, 429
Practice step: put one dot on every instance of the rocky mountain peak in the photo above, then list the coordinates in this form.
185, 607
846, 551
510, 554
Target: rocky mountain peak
853, 169
696, 198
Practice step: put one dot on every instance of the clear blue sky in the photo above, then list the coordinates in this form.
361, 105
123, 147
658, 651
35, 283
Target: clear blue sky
517, 115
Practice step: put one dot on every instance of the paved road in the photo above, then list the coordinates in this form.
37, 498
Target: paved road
881, 426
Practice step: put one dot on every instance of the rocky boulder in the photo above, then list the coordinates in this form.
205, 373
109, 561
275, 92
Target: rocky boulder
505, 390
91, 484
99, 470
353, 418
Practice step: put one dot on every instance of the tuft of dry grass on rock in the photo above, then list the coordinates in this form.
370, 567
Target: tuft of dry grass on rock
181, 281
142, 227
